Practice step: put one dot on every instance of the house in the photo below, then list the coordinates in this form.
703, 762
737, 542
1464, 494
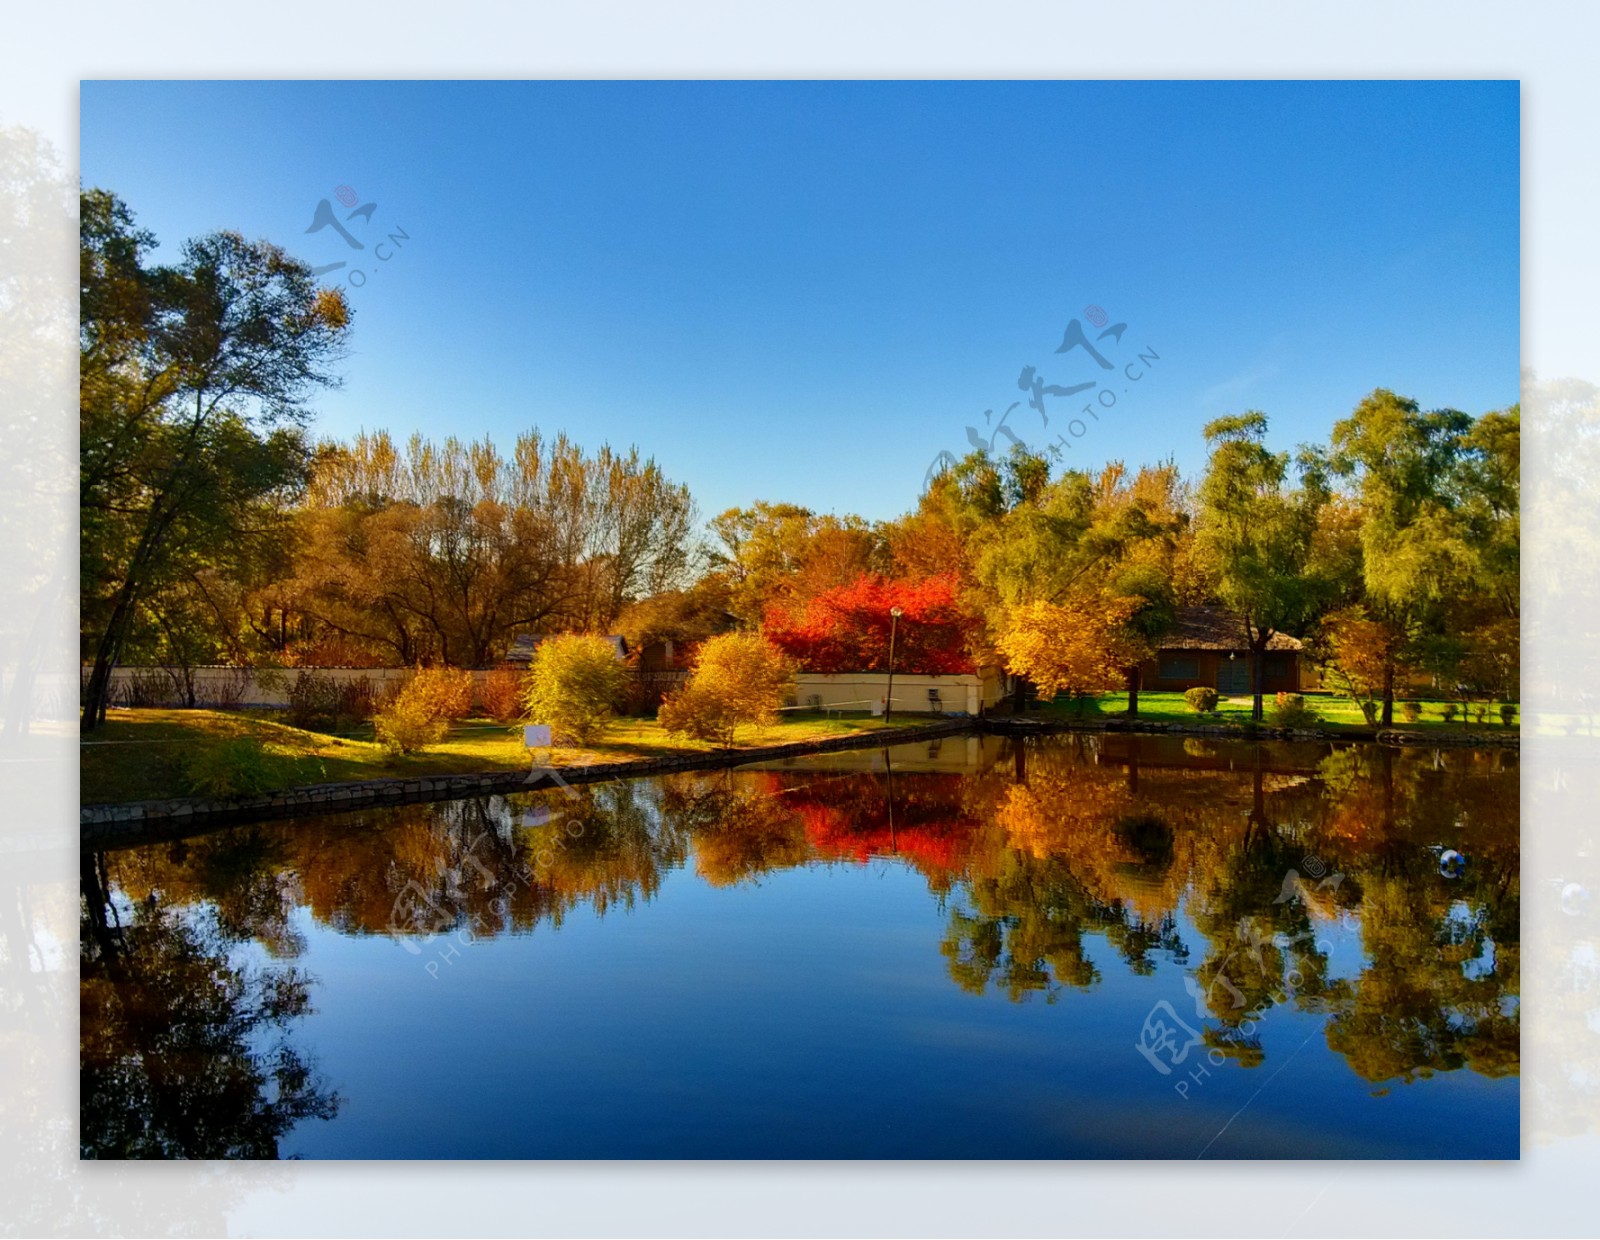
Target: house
1206, 647
520, 653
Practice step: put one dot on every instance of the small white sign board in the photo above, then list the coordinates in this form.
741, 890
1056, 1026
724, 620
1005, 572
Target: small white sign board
536, 736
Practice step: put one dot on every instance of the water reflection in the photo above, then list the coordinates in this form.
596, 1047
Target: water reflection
184, 1050
1231, 863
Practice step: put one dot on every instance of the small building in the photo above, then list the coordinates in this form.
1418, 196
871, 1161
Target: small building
1206, 647
520, 653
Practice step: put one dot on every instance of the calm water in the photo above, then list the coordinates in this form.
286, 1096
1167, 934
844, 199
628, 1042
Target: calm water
1074, 947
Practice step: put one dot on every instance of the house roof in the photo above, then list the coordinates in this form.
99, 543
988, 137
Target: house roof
524, 644
1215, 628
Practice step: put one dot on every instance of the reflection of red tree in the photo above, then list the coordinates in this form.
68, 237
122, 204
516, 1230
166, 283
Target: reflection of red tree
848, 818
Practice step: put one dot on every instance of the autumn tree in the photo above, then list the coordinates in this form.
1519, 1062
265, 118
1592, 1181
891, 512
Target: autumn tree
1075, 646
1085, 535
1362, 657
739, 680
782, 554
847, 629
574, 684
446, 550
1256, 534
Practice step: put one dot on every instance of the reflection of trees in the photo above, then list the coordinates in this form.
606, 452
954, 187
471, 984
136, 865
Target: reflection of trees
918, 818
1022, 921
741, 825
602, 846
1440, 987
1260, 848
184, 1052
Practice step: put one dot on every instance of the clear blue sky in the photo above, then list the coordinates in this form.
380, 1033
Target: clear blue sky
804, 291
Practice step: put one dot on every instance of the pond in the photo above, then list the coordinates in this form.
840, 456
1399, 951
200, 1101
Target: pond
1082, 946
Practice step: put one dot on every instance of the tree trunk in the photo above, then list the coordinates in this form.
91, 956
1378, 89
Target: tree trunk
1135, 676
98, 694
1258, 657
1388, 693
1019, 695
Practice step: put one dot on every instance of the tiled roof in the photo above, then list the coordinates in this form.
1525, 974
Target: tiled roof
524, 644
1215, 628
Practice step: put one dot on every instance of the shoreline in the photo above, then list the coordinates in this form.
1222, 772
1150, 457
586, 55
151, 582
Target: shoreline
124, 823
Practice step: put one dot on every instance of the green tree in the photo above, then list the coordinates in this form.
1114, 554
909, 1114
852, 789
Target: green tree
194, 386
1256, 534
1417, 550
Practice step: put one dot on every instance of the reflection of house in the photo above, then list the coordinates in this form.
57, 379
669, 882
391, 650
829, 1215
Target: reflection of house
524, 644
1206, 647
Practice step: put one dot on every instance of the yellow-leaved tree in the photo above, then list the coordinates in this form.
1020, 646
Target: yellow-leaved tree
1081, 645
574, 685
739, 679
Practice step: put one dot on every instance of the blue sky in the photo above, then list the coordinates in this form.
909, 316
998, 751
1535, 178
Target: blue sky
805, 291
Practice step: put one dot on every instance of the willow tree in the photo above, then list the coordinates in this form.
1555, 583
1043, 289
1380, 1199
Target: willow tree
1418, 549
1256, 534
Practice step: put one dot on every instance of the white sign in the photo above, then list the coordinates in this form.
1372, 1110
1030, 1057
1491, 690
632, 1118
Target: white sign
536, 736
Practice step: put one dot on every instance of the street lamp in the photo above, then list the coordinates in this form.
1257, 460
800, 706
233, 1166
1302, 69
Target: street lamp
888, 702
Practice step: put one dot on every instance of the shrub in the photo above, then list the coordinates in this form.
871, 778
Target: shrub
739, 679
1289, 710
575, 684
501, 695
1480, 712
325, 704
145, 687
407, 724
238, 767
313, 701
1411, 710
443, 691
1448, 710
225, 689
1202, 699
1508, 713
356, 701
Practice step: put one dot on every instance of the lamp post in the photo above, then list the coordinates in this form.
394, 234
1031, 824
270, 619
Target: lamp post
888, 702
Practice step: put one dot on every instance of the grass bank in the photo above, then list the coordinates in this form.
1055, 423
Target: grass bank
143, 755
1336, 712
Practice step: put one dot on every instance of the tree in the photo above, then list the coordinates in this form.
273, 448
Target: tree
445, 551
1363, 657
1255, 534
194, 386
846, 629
1075, 646
574, 685
1417, 547
782, 555
684, 617
739, 679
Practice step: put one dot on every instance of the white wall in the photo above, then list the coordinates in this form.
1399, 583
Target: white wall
213, 683
864, 691
859, 691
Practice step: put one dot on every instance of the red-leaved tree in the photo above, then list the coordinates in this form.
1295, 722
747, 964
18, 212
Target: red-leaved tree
846, 629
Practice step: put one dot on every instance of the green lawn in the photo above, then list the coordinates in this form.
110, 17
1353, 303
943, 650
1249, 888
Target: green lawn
149, 754
1335, 711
